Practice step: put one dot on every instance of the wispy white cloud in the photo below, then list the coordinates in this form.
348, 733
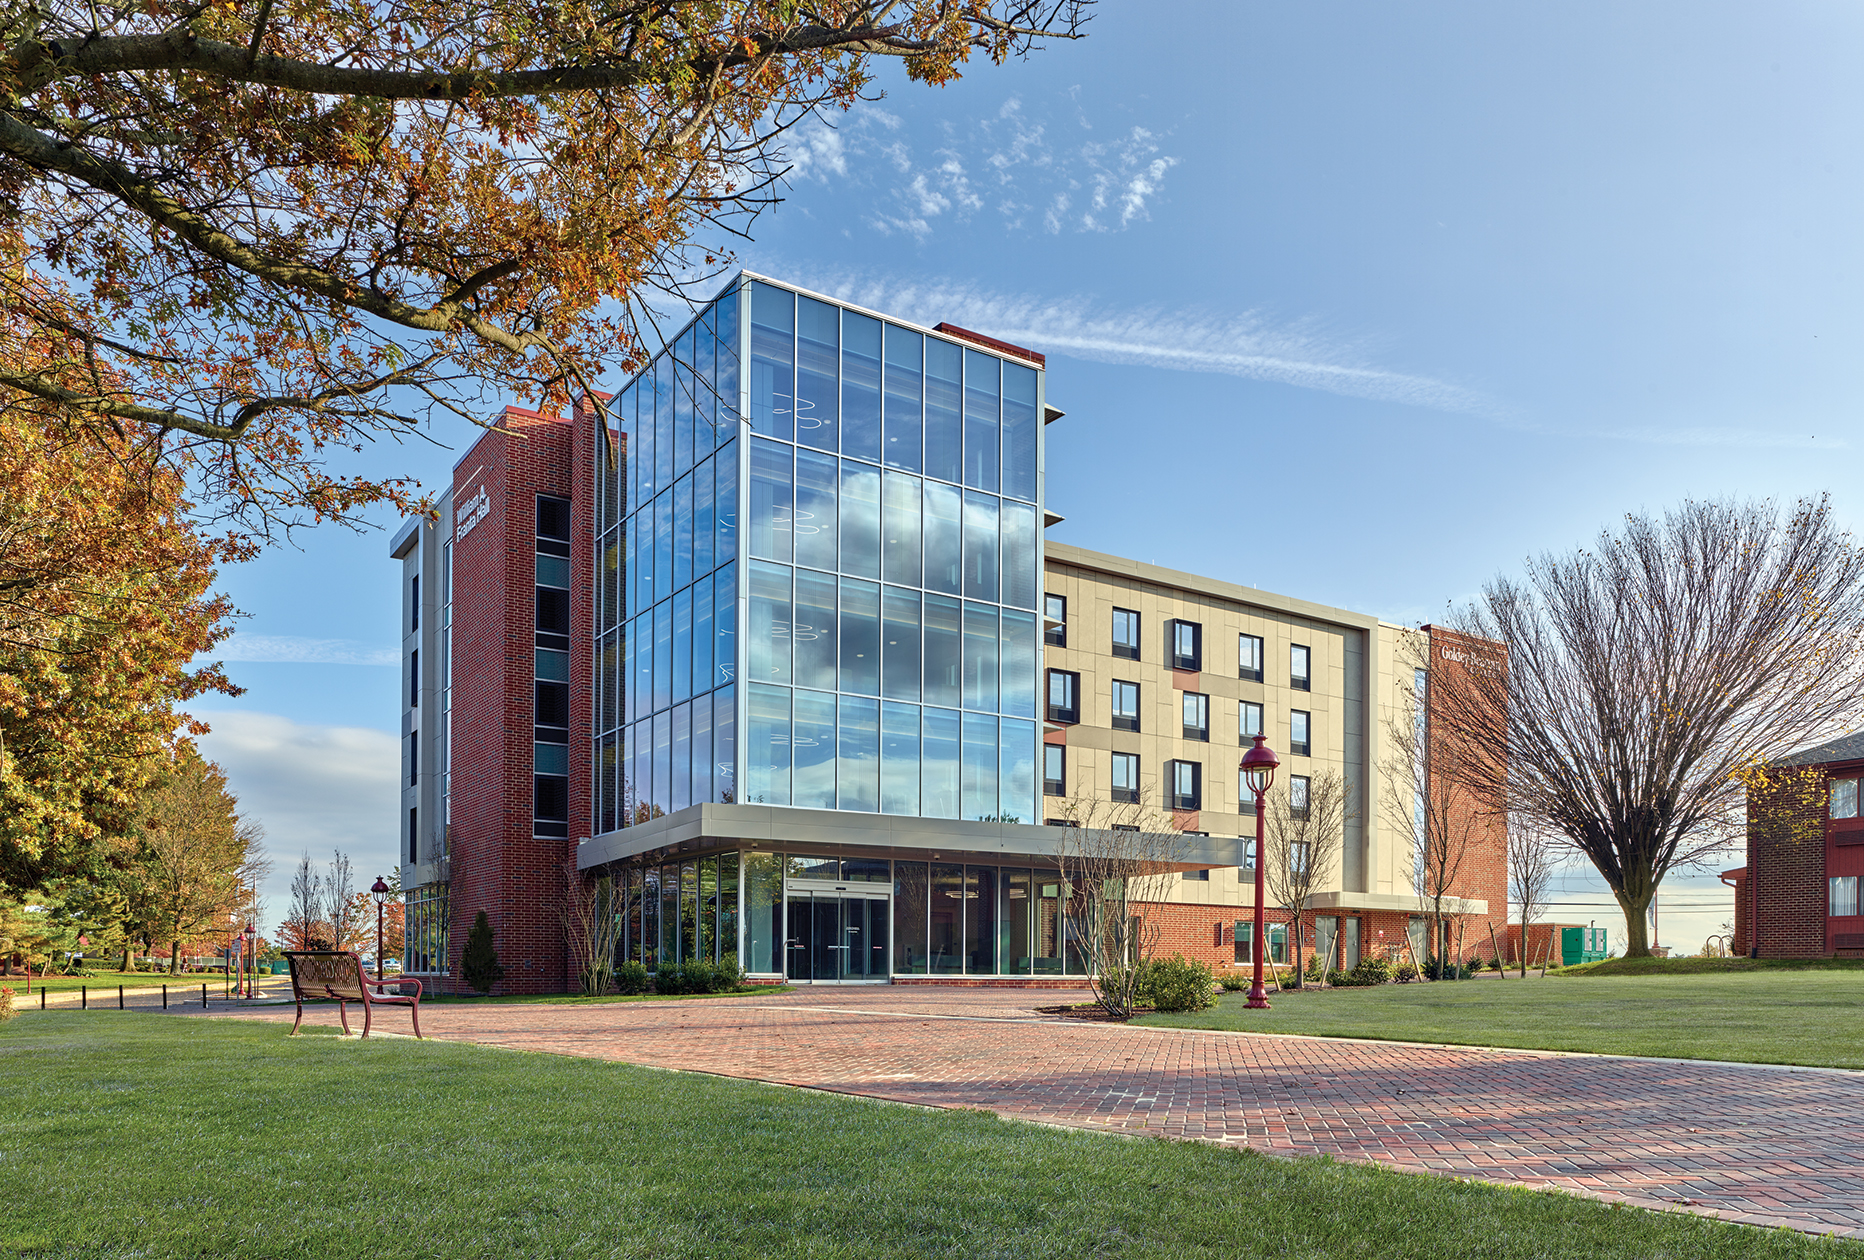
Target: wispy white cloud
313, 788
292, 649
1007, 163
1249, 345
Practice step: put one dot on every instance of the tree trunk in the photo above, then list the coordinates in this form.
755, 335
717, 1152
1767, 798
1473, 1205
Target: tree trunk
1300, 977
1637, 924
174, 958
1524, 946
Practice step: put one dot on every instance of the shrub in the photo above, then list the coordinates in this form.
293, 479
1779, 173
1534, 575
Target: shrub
1233, 981
631, 979
1177, 984
1404, 973
1311, 969
7, 1009
728, 976
479, 962
1371, 971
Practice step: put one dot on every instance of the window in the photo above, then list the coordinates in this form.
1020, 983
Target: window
1298, 724
1125, 777
1844, 895
1249, 855
1248, 720
414, 758
1196, 716
1300, 853
1187, 645
1197, 877
1297, 794
553, 522
414, 602
1249, 657
1126, 633
1064, 696
1246, 799
1187, 784
414, 679
1055, 620
1844, 798
1300, 672
1125, 706
413, 831
1054, 770
1246, 939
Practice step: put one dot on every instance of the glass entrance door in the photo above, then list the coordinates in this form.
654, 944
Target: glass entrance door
837, 938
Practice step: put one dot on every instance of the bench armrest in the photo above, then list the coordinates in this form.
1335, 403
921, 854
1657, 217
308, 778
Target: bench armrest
383, 984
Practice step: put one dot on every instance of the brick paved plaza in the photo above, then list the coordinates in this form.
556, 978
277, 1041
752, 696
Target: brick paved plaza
1766, 1145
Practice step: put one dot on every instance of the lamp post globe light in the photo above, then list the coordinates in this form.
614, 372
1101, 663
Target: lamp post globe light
379, 891
1259, 772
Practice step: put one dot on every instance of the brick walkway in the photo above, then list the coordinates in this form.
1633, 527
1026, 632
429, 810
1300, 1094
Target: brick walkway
1766, 1146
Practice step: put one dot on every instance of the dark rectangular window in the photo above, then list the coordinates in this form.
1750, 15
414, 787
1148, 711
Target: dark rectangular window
1187, 784
1125, 777
1125, 706
1300, 668
1187, 644
1055, 620
1196, 716
1297, 795
553, 707
414, 679
553, 611
414, 602
1245, 797
553, 518
1126, 633
1198, 877
1249, 657
1298, 733
1248, 720
551, 805
1064, 696
1054, 770
414, 832
414, 758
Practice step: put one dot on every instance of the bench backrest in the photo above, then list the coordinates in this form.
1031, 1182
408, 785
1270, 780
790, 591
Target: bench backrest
327, 973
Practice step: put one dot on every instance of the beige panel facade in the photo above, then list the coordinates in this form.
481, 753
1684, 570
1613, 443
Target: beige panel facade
1360, 680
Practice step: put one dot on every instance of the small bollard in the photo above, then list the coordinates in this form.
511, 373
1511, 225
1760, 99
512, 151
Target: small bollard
164, 997
84, 998
119, 997
41, 997
203, 995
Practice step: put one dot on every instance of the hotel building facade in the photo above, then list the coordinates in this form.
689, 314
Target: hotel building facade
776, 639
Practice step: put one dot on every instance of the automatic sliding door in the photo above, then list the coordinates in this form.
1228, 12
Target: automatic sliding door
833, 937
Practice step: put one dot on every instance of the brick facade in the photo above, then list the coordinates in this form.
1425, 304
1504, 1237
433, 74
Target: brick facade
1793, 847
497, 865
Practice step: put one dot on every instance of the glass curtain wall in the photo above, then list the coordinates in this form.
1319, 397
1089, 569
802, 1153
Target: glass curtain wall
684, 912
607, 800
667, 653
893, 550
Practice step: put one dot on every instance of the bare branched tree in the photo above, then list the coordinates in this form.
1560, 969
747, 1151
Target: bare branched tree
1447, 819
340, 910
595, 914
307, 902
1303, 844
1635, 683
1114, 856
1533, 856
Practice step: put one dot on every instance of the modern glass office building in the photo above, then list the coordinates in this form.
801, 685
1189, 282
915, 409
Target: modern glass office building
820, 562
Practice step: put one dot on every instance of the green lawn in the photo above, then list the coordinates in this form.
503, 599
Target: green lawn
1770, 1015
320, 1147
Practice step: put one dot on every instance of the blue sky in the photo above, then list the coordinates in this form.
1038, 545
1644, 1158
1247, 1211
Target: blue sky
1385, 298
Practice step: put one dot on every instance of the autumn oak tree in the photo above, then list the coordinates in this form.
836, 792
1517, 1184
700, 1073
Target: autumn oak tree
249, 234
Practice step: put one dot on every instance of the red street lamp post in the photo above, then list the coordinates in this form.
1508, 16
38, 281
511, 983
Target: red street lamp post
380, 891
1258, 772
248, 946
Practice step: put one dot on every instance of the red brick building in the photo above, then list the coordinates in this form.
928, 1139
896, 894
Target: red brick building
1797, 897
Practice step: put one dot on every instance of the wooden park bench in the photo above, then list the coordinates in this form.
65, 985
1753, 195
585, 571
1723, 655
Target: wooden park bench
337, 976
